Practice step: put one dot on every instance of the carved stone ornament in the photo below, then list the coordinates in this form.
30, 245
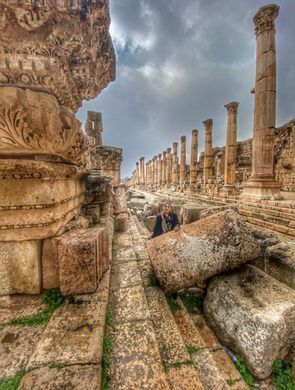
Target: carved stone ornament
61, 47
265, 17
106, 158
33, 123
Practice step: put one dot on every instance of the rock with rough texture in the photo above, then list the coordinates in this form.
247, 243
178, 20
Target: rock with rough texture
216, 209
201, 250
254, 315
20, 267
280, 263
119, 203
121, 223
191, 213
50, 267
150, 222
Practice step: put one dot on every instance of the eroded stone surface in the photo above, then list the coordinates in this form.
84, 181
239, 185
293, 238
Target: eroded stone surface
125, 275
202, 249
121, 223
184, 378
16, 306
17, 343
20, 267
254, 315
73, 335
136, 363
86, 377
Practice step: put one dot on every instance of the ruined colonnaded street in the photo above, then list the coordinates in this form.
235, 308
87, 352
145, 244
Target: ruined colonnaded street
180, 273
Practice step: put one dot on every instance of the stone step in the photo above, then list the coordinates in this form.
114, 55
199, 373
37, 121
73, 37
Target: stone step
215, 368
179, 367
271, 226
266, 216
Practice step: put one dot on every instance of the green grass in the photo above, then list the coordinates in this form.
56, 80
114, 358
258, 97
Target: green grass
191, 349
192, 302
282, 375
245, 373
13, 382
106, 355
52, 300
232, 382
152, 281
178, 365
174, 306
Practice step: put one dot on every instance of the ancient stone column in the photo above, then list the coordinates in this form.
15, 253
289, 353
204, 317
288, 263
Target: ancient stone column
164, 169
154, 171
169, 168
194, 158
137, 173
174, 165
159, 169
142, 173
94, 126
262, 184
182, 162
208, 123
231, 145
218, 166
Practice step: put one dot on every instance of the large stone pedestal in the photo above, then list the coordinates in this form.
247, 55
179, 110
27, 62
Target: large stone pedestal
261, 190
37, 198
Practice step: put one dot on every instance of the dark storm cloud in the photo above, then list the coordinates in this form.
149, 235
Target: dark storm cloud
178, 63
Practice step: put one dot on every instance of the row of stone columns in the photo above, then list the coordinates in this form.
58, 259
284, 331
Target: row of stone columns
262, 184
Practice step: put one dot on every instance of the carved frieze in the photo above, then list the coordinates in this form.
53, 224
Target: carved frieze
60, 47
106, 158
33, 123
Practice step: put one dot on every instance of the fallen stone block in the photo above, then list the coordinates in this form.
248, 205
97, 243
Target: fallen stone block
150, 222
20, 267
280, 263
121, 223
201, 250
191, 213
254, 315
137, 203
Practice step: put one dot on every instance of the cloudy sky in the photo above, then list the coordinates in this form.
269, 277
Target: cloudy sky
178, 63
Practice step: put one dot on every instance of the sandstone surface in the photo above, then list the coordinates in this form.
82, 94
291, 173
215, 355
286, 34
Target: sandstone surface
201, 250
254, 315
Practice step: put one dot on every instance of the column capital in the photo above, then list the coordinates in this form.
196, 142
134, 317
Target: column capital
164, 153
232, 108
264, 18
175, 144
208, 123
169, 150
195, 132
160, 155
137, 163
141, 159
183, 138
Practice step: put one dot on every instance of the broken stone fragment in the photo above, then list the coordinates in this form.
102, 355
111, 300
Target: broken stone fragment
119, 202
121, 223
253, 314
201, 250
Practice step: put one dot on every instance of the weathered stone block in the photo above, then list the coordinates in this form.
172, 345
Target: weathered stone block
50, 267
119, 203
150, 222
20, 267
191, 213
82, 257
202, 249
121, 223
254, 315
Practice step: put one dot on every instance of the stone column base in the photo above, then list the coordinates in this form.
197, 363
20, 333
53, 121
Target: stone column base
261, 190
228, 190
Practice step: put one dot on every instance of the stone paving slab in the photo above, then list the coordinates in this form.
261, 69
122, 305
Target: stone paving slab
17, 343
125, 275
170, 342
136, 362
74, 335
123, 253
16, 306
86, 377
123, 239
129, 304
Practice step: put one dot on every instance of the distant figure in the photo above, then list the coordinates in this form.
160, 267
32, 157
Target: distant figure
166, 222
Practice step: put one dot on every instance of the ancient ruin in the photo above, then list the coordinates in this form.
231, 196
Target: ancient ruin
89, 298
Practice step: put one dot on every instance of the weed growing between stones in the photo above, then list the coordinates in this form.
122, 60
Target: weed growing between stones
174, 306
192, 302
52, 299
245, 373
152, 281
282, 375
232, 382
178, 365
106, 355
191, 349
13, 382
